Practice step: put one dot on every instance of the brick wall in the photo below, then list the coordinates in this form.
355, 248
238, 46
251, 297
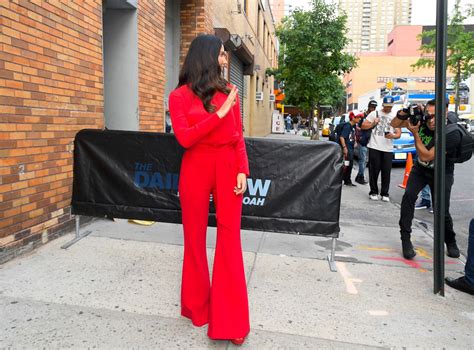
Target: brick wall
196, 18
151, 55
51, 86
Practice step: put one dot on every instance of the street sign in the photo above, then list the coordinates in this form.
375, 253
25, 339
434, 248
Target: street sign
277, 123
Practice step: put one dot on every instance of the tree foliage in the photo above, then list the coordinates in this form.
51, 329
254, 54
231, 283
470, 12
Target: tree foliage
460, 48
311, 59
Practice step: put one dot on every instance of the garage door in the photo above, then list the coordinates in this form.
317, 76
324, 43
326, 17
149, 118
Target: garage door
237, 78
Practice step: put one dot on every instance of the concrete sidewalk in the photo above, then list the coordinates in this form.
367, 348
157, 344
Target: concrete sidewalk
120, 287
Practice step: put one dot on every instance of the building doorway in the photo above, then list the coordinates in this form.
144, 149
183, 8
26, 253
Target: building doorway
172, 47
120, 58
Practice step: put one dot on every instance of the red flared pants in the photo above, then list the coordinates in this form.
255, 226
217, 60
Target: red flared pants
224, 303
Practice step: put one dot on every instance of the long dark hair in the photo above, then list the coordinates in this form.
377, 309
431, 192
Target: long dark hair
201, 69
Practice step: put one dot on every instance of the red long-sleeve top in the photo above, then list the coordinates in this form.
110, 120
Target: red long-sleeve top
194, 126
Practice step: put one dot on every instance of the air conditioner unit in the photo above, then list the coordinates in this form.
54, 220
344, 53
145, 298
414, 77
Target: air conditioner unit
272, 98
259, 96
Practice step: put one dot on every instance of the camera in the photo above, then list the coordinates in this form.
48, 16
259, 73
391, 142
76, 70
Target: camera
414, 113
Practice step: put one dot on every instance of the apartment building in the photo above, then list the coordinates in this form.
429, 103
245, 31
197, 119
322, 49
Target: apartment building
279, 10
369, 22
248, 32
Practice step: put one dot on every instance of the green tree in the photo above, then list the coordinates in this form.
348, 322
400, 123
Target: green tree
312, 57
460, 48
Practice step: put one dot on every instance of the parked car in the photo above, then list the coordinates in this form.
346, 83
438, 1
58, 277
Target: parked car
325, 129
401, 147
469, 120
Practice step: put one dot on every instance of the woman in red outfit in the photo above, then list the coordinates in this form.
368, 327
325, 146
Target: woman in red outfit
205, 115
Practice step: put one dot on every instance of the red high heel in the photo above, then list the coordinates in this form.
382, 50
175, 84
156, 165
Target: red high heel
238, 341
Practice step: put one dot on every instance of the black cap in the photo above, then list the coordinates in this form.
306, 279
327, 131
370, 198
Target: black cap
372, 103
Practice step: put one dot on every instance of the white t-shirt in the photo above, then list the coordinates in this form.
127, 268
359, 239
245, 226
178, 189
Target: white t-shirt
377, 138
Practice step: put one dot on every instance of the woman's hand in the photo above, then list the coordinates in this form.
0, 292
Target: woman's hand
228, 104
241, 184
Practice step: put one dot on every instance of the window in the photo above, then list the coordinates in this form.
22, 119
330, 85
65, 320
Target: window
269, 45
259, 22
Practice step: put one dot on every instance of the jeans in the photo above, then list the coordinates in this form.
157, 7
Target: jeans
418, 179
348, 169
362, 160
469, 269
379, 162
426, 194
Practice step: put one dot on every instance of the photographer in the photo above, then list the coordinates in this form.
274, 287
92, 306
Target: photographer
422, 125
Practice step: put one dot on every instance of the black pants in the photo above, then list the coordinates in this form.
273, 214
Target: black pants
379, 162
346, 177
418, 179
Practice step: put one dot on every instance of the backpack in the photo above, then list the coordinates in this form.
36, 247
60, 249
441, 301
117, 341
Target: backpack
362, 136
358, 132
465, 147
336, 132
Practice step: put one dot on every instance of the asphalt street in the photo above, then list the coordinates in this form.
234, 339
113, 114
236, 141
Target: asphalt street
462, 199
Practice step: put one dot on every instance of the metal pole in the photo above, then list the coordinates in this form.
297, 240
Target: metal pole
440, 146
78, 236
76, 218
332, 256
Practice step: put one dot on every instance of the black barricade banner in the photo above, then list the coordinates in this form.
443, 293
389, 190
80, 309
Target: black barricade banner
294, 186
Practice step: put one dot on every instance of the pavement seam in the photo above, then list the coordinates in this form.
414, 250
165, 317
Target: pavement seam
260, 244
41, 301
341, 342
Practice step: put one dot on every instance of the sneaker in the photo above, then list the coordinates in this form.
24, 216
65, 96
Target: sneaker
374, 197
385, 199
431, 210
423, 205
408, 251
350, 184
453, 250
360, 180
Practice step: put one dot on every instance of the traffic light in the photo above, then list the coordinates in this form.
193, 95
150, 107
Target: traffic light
451, 99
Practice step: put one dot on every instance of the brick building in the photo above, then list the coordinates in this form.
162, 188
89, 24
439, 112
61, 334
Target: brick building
69, 65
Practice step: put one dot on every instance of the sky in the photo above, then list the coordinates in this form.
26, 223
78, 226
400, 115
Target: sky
423, 11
